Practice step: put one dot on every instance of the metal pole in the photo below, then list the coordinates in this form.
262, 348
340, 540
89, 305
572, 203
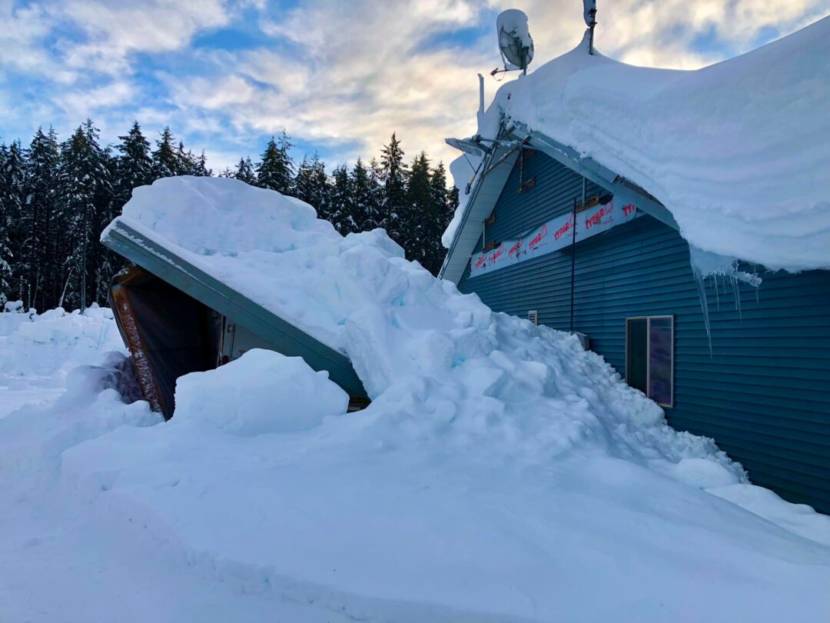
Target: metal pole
573, 255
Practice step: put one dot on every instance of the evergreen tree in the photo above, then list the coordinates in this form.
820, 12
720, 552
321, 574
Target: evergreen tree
376, 216
418, 211
134, 166
6, 258
166, 162
12, 180
201, 168
394, 206
276, 169
40, 220
86, 200
312, 186
442, 207
185, 163
342, 197
245, 172
363, 198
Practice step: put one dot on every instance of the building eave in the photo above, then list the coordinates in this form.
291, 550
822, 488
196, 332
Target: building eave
496, 168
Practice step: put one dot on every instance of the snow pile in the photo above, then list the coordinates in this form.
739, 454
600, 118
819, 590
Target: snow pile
37, 352
237, 399
476, 375
738, 151
501, 472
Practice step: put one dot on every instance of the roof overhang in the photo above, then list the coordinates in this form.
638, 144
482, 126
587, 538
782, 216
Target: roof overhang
496, 168
484, 193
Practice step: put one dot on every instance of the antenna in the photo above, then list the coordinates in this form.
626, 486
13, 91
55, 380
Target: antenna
515, 43
589, 14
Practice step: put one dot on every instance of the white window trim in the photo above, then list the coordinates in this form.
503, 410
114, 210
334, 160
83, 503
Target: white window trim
648, 320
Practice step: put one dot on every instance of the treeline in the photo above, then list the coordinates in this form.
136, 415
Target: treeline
57, 197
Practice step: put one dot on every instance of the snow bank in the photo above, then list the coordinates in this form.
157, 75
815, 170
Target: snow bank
738, 151
38, 352
56, 341
412, 339
501, 472
261, 392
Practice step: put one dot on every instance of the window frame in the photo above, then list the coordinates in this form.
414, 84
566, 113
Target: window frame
648, 320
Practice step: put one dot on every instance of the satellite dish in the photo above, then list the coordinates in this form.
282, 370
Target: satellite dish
514, 39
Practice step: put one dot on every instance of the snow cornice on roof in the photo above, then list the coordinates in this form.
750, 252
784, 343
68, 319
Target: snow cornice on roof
736, 155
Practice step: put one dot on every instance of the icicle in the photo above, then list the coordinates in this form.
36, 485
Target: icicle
704, 305
736, 288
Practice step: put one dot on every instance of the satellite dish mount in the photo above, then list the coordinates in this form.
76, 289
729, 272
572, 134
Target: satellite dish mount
589, 14
515, 43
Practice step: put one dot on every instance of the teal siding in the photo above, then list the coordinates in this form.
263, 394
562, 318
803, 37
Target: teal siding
763, 392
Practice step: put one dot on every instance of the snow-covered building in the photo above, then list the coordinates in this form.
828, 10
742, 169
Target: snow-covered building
681, 222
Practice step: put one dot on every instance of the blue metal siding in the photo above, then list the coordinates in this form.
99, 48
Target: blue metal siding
763, 392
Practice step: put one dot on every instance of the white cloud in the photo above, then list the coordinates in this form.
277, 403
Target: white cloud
80, 104
342, 75
366, 69
114, 30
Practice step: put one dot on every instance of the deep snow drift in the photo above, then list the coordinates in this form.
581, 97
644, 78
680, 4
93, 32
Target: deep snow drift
501, 472
738, 151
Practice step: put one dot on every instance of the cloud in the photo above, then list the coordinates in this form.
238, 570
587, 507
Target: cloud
339, 77
84, 103
114, 30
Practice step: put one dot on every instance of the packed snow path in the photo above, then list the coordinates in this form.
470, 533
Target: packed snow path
501, 472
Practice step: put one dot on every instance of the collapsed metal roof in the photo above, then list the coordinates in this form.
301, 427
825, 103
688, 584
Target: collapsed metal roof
279, 334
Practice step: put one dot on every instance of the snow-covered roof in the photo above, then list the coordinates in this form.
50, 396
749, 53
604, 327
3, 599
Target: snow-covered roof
739, 151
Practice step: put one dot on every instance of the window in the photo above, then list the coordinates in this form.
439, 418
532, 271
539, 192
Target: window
649, 357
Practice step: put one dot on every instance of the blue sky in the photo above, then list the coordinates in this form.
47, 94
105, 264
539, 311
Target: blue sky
339, 77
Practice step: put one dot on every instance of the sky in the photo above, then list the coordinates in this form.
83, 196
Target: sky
338, 76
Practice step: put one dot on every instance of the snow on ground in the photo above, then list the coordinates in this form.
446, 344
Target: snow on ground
35, 357
738, 151
501, 472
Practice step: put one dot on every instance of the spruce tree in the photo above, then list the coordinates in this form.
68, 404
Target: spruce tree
417, 211
166, 162
442, 208
201, 168
40, 220
312, 186
362, 198
134, 166
245, 172
86, 200
342, 197
394, 206
12, 180
376, 217
276, 169
6, 258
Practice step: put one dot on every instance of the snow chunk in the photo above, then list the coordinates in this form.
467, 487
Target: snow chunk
261, 392
738, 151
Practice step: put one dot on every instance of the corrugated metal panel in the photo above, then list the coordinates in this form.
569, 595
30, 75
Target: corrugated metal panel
764, 390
